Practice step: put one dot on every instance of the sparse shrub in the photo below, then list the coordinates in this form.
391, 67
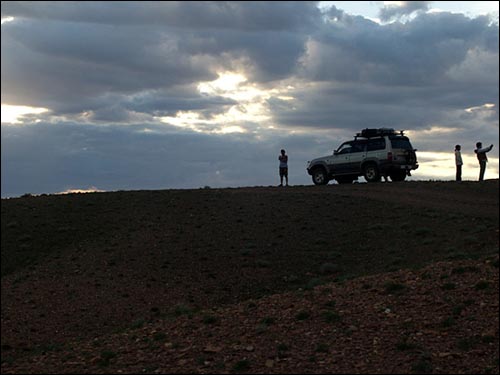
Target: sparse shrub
405, 345
311, 284
457, 310
481, 285
330, 304
422, 366
334, 255
302, 315
139, 323
262, 263
183, 310
328, 268
448, 322
488, 339
331, 316
267, 321
209, 319
322, 348
106, 357
449, 286
243, 365
423, 231
469, 240
159, 336
467, 343
392, 287
282, 347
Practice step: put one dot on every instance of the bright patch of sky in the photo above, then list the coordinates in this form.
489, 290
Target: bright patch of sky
371, 9
13, 114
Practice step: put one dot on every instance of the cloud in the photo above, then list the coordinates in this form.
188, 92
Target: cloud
112, 74
398, 9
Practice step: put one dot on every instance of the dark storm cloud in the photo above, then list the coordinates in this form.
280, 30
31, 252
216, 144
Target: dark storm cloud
57, 54
250, 15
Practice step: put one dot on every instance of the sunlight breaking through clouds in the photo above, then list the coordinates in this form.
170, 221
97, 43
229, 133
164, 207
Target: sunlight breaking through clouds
13, 114
250, 112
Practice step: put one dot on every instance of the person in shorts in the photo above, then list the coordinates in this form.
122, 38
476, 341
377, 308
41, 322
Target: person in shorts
283, 158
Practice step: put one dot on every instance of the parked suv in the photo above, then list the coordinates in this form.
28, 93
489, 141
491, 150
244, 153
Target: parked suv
373, 153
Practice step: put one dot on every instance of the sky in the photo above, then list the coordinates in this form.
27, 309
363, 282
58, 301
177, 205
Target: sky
106, 96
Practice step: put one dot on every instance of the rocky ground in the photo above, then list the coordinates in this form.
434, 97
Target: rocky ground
367, 278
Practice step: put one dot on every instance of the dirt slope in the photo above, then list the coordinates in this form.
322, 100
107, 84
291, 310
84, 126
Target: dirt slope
176, 281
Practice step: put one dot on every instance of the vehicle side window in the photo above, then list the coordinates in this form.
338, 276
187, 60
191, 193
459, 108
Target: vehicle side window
345, 148
376, 144
358, 147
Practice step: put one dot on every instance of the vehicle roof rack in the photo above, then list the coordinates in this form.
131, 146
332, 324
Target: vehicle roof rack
377, 132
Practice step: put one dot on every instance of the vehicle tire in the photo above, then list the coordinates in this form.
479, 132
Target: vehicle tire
345, 180
319, 176
371, 173
398, 176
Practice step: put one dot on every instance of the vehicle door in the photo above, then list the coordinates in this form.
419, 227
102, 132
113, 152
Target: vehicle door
338, 163
356, 156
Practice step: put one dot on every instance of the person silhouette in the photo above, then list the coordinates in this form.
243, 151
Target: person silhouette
482, 158
283, 158
458, 162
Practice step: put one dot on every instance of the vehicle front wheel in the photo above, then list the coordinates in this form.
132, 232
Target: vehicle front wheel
319, 176
371, 173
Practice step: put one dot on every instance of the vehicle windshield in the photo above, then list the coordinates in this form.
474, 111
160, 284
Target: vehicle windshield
401, 142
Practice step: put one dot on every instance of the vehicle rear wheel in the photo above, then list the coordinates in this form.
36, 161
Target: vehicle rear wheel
398, 176
371, 173
319, 176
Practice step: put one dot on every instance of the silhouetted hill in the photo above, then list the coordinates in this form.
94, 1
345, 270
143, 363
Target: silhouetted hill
85, 269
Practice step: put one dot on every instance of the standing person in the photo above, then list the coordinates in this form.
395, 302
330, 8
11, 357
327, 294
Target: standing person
458, 162
283, 158
483, 159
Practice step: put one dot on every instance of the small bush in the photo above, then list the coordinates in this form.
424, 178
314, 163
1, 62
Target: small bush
106, 357
331, 317
209, 319
139, 323
311, 284
422, 366
467, 344
159, 336
322, 348
243, 365
449, 286
183, 310
392, 287
302, 315
282, 347
481, 285
448, 322
423, 231
328, 268
405, 345
267, 321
